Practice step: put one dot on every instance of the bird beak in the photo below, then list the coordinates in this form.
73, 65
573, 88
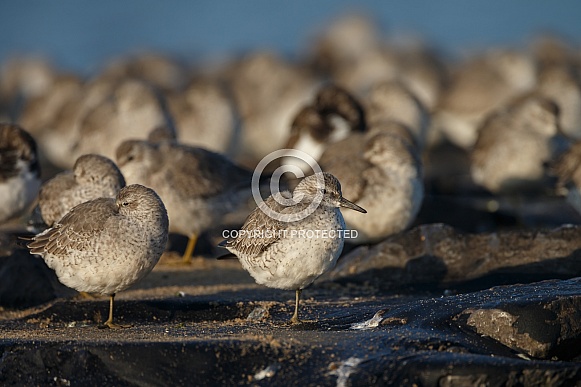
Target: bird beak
346, 203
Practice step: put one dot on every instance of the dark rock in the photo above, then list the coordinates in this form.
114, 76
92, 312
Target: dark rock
25, 280
520, 334
206, 340
541, 330
439, 254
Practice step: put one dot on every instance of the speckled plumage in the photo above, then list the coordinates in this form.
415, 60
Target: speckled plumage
19, 171
93, 176
106, 245
274, 252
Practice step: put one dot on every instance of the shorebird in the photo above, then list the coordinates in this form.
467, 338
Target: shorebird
382, 172
567, 169
106, 245
131, 110
160, 70
423, 71
289, 245
93, 176
24, 77
197, 186
353, 52
333, 116
477, 88
40, 112
394, 101
267, 91
59, 136
561, 84
514, 144
204, 115
19, 171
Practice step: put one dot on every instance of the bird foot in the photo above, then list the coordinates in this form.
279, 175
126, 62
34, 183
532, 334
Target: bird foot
295, 320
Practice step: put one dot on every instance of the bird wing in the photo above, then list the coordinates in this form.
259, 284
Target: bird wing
259, 231
201, 173
76, 229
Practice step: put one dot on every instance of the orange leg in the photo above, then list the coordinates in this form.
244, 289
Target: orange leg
187, 257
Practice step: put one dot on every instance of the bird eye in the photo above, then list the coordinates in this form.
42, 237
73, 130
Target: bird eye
125, 204
130, 158
323, 191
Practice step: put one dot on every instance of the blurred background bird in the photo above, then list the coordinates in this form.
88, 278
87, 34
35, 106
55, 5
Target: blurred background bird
417, 131
92, 177
199, 187
19, 171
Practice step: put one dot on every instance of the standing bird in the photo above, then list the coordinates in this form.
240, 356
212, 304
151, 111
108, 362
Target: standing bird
19, 171
198, 187
92, 177
289, 245
106, 245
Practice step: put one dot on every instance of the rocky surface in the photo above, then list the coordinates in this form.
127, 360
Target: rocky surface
433, 306
437, 254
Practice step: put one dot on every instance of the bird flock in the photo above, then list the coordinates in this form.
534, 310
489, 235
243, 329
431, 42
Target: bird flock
368, 109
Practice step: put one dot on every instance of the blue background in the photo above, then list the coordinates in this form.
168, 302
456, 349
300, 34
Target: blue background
81, 35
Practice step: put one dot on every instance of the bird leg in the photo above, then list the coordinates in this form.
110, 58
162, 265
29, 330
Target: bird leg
109, 323
295, 318
187, 257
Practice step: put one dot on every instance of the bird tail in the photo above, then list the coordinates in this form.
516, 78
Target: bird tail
226, 254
